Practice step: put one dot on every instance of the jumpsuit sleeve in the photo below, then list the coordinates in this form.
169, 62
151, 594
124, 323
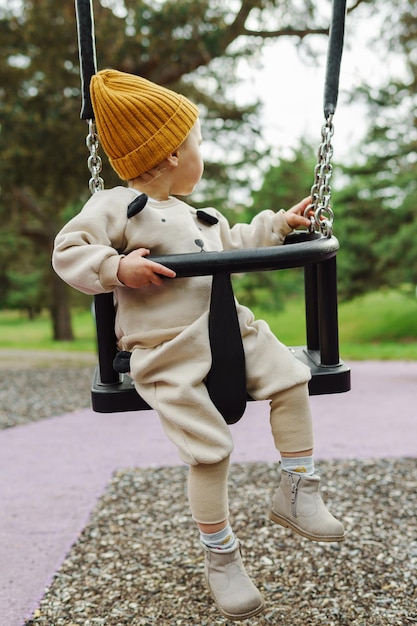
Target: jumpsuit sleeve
266, 229
85, 252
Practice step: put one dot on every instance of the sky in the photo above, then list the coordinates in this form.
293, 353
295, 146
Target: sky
291, 88
292, 95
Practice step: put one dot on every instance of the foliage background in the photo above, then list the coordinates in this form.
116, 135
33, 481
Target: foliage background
192, 46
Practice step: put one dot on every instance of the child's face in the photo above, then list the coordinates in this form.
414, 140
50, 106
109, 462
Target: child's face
190, 163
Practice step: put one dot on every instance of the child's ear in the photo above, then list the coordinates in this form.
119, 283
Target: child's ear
173, 159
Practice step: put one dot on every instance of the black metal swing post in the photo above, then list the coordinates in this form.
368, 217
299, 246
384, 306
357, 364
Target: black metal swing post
313, 251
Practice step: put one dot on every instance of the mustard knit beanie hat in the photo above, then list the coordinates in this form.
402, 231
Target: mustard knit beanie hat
139, 123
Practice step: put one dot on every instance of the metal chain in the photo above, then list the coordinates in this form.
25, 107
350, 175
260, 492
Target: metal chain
321, 192
94, 163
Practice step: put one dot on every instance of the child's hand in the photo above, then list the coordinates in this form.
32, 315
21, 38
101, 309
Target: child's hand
295, 215
136, 271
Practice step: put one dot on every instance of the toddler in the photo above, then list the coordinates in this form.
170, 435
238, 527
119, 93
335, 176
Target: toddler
152, 137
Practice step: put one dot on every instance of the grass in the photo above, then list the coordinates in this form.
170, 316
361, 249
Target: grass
381, 325
17, 332
377, 326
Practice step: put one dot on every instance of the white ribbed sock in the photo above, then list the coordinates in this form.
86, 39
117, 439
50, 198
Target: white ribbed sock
298, 465
222, 540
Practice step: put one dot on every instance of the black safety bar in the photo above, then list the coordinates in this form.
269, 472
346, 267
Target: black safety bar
112, 391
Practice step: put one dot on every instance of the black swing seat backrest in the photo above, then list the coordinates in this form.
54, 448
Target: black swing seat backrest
113, 391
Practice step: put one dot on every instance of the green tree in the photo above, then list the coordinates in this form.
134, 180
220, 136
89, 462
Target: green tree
25, 292
189, 45
284, 184
378, 218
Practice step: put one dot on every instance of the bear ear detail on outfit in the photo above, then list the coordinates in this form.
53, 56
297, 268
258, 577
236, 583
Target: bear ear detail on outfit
207, 218
137, 205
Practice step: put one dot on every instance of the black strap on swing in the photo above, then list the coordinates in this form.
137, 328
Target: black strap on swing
87, 54
228, 357
334, 56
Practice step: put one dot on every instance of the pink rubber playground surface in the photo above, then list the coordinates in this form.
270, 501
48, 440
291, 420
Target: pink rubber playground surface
53, 471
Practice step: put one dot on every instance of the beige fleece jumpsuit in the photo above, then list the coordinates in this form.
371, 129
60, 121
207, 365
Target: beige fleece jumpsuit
166, 329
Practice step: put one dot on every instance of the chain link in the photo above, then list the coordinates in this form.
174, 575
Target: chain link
94, 163
321, 192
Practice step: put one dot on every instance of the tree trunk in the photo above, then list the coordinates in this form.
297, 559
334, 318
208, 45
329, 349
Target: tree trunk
60, 310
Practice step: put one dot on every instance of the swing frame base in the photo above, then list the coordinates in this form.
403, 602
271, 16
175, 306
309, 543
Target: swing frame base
121, 396
325, 379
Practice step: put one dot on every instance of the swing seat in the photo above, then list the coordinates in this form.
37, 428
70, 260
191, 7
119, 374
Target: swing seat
114, 392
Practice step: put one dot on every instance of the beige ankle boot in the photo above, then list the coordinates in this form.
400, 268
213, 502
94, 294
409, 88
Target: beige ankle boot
236, 596
298, 505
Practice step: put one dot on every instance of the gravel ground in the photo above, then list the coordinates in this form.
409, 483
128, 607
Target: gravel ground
138, 561
29, 395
